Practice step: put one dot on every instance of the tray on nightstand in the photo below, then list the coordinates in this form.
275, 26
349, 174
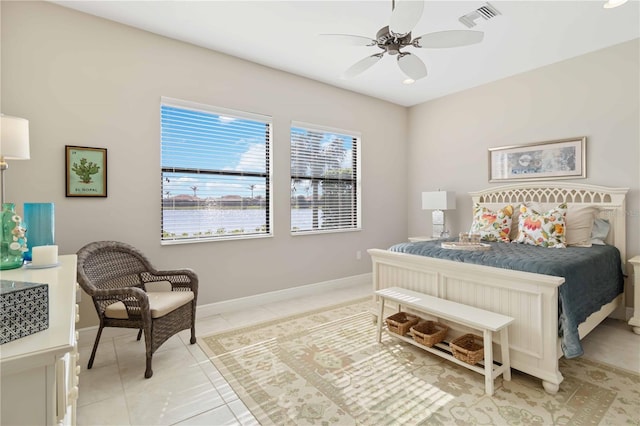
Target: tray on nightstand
457, 245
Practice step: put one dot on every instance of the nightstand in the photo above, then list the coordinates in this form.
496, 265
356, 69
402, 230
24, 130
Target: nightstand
635, 320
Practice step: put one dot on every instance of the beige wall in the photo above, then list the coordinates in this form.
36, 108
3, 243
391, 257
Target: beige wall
595, 95
81, 80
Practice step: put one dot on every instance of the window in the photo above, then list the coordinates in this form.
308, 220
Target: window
215, 173
325, 179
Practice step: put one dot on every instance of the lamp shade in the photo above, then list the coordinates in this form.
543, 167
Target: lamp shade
14, 138
439, 200
610, 4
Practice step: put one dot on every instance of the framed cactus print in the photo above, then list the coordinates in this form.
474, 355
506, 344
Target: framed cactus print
86, 171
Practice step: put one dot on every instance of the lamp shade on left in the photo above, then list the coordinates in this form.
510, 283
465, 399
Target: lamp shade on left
14, 138
439, 200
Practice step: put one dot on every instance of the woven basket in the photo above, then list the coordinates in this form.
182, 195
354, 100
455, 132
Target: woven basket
468, 348
401, 322
428, 333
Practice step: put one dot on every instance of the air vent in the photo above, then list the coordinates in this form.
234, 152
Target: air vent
486, 12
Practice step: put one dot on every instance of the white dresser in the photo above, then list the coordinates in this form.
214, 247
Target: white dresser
40, 372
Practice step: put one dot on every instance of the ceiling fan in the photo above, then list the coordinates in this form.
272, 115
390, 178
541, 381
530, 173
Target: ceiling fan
391, 39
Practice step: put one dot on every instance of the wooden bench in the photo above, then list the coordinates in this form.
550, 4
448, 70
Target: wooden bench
479, 319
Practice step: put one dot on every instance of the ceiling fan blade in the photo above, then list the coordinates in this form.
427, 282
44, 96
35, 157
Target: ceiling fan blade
354, 40
361, 66
405, 16
452, 38
412, 66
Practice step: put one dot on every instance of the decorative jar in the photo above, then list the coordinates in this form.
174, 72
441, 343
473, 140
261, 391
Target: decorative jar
13, 242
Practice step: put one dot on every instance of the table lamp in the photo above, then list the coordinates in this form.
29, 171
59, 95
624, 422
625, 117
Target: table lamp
439, 201
14, 143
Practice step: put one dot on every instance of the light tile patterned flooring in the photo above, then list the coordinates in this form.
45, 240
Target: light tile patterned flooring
186, 389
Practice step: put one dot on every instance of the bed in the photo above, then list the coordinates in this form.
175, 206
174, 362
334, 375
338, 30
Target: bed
531, 298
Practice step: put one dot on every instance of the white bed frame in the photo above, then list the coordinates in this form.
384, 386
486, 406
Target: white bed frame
532, 299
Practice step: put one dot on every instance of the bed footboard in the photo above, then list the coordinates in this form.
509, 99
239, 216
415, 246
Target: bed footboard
532, 299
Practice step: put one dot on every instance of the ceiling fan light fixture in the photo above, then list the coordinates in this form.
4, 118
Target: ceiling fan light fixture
392, 39
610, 4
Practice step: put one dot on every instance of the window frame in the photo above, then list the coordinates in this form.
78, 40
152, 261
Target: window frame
356, 139
267, 175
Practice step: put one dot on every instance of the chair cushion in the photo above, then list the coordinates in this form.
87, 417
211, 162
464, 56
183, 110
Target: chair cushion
160, 304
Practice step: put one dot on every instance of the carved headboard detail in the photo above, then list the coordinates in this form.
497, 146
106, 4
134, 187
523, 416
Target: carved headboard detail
610, 201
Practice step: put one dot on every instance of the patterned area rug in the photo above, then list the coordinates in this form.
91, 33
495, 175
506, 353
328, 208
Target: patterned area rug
325, 367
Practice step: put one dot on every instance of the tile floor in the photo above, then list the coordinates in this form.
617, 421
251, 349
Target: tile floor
186, 389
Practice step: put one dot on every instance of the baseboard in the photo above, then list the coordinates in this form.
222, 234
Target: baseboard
260, 299
276, 296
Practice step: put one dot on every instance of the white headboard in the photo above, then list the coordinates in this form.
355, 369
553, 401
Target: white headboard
610, 201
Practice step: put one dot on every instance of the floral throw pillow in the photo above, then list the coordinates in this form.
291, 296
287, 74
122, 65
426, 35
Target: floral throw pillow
492, 226
542, 229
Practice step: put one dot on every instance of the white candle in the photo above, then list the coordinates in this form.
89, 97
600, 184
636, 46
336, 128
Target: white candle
44, 255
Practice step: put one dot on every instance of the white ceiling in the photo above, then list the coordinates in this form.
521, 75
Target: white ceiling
285, 35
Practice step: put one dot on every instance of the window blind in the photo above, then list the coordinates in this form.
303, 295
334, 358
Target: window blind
325, 183
215, 173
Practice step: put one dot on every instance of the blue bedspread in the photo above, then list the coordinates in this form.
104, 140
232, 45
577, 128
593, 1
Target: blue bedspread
593, 276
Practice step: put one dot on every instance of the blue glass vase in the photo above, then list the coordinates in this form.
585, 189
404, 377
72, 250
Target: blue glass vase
11, 238
39, 219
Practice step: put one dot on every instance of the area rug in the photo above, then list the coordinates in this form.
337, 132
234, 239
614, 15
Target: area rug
325, 367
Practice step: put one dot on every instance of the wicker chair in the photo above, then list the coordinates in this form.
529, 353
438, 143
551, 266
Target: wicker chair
115, 275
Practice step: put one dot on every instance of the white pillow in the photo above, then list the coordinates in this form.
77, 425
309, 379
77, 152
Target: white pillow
579, 223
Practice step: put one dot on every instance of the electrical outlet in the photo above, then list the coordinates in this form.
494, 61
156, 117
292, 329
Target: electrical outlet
358, 255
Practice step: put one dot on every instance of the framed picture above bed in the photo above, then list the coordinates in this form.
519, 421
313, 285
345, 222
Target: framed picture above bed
559, 159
